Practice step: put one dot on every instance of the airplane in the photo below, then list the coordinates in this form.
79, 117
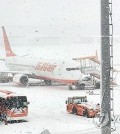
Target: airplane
25, 67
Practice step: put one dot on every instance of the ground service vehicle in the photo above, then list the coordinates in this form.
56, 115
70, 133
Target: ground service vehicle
87, 82
15, 106
80, 106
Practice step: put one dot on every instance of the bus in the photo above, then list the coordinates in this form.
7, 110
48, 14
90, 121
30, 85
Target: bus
13, 106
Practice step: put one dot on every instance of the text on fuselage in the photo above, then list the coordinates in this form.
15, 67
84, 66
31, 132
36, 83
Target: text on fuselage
45, 67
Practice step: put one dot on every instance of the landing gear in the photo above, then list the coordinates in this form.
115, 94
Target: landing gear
70, 87
48, 82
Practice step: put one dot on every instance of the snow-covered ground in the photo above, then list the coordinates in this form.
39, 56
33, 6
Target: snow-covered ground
47, 110
63, 29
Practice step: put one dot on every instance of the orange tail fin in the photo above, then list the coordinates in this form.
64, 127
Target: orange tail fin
8, 49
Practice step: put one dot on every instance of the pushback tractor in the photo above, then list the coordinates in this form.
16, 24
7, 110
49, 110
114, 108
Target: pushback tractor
79, 105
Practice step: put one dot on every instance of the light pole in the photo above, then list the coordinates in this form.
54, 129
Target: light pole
105, 69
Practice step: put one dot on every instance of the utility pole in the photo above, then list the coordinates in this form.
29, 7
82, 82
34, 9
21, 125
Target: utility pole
105, 69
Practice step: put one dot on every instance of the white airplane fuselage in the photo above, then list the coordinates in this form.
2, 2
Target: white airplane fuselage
46, 69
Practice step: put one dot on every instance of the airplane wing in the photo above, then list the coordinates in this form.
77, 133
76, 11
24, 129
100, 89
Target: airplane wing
29, 74
92, 58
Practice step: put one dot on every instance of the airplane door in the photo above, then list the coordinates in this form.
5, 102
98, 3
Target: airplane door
60, 70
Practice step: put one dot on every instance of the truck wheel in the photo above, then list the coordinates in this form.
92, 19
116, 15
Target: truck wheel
97, 85
82, 86
74, 111
86, 113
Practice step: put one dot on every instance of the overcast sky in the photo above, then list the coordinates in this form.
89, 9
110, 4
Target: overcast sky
52, 17
56, 17
54, 21
36, 12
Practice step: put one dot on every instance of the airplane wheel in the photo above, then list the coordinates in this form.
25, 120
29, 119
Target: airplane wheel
70, 88
47, 82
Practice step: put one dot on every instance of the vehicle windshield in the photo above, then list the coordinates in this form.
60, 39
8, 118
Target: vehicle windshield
80, 100
16, 102
86, 78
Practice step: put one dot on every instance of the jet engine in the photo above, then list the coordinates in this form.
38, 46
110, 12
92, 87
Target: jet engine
21, 79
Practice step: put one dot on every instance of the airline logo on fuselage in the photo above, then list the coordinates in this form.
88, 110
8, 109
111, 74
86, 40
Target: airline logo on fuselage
41, 66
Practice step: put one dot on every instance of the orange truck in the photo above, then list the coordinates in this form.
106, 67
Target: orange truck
79, 105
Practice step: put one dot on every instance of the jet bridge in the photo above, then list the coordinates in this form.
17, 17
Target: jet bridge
91, 65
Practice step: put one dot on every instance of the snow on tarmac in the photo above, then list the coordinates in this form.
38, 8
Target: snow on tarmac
47, 110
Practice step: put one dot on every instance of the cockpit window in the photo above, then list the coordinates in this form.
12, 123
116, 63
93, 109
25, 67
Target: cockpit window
70, 69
